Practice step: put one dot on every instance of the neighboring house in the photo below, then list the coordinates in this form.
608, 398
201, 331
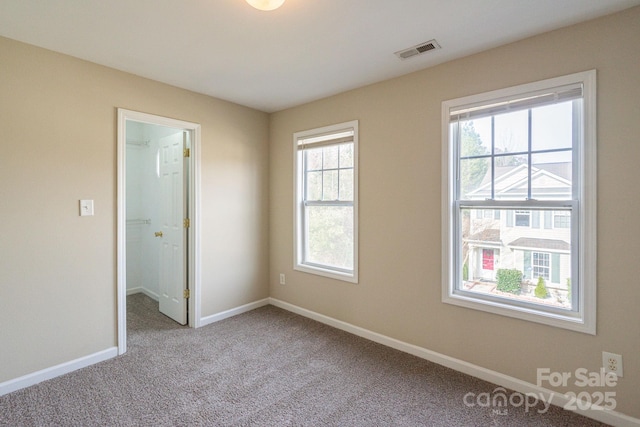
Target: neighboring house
538, 243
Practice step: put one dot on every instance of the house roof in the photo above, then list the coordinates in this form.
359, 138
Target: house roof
549, 179
491, 235
535, 243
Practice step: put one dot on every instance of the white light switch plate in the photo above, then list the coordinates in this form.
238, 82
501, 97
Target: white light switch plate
86, 207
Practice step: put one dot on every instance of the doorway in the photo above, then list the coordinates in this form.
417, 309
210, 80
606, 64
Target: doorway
158, 247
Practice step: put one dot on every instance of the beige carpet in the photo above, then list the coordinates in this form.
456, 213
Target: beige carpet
267, 367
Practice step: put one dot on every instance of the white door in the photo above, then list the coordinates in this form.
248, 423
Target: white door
173, 280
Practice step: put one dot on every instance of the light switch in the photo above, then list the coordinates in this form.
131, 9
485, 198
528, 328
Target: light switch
86, 207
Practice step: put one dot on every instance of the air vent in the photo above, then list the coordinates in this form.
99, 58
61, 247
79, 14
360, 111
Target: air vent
418, 49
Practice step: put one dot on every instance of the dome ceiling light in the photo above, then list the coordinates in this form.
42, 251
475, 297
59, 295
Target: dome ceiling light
266, 4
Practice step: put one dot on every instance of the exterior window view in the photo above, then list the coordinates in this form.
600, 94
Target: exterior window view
517, 190
328, 205
527, 260
521, 156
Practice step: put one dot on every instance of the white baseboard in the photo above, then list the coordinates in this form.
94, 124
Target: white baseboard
141, 290
55, 371
557, 399
232, 312
67, 367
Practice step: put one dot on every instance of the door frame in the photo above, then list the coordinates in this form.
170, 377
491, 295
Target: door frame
193, 197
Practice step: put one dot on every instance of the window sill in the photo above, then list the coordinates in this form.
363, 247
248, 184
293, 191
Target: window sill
572, 320
338, 275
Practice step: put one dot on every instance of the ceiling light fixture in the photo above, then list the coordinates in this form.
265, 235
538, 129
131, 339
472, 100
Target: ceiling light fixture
266, 4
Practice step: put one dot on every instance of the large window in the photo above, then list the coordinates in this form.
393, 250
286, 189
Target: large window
326, 206
528, 154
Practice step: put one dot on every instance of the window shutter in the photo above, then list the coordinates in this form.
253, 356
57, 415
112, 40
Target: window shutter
555, 268
527, 264
547, 219
535, 219
510, 218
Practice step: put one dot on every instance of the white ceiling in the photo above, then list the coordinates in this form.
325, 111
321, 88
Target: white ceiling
306, 50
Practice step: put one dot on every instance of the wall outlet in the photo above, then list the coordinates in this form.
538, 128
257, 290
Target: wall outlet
282, 279
612, 362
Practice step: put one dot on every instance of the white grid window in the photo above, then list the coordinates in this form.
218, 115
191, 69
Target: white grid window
541, 265
326, 201
527, 152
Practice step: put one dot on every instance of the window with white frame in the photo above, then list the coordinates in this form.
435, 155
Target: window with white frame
541, 265
528, 153
561, 219
326, 203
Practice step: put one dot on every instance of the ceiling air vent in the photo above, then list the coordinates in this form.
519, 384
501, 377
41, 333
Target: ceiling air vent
418, 49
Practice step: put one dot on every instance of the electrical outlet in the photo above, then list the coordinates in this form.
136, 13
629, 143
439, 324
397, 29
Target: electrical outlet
282, 279
612, 363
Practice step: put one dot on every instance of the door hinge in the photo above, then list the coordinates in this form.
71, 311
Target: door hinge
187, 223
187, 152
186, 294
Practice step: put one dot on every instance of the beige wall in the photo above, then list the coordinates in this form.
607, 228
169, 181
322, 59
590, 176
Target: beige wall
399, 294
57, 269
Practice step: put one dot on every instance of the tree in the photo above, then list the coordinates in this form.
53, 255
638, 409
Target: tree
472, 171
541, 289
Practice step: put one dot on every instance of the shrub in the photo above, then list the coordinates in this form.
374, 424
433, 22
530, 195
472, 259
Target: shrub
541, 289
508, 280
465, 271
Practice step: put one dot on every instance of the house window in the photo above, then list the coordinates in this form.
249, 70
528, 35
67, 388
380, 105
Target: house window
541, 265
561, 220
523, 218
326, 202
528, 154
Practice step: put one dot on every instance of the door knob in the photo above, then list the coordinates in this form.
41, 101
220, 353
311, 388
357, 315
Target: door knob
158, 233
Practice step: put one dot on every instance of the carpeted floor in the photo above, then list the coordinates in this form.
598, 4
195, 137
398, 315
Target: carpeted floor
267, 367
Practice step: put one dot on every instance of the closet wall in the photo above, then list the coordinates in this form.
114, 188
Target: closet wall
143, 198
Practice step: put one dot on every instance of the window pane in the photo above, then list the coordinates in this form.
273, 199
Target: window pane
512, 132
314, 186
330, 160
346, 155
330, 236
314, 158
551, 175
475, 179
503, 261
330, 185
346, 184
511, 177
475, 137
551, 126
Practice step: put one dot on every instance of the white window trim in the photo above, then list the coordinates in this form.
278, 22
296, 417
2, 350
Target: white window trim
585, 319
297, 212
